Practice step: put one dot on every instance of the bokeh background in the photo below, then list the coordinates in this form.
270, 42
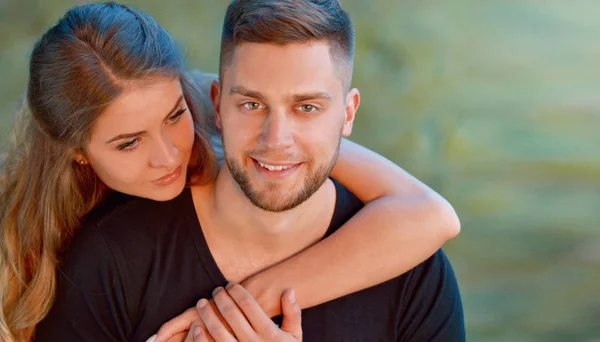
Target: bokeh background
493, 103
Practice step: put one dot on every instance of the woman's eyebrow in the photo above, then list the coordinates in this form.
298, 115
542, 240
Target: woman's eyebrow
135, 134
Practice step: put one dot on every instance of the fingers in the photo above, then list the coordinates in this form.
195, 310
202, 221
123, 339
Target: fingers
262, 324
178, 337
176, 325
232, 314
198, 334
215, 326
292, 315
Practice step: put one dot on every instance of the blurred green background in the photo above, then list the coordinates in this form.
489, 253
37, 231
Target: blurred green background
493, 103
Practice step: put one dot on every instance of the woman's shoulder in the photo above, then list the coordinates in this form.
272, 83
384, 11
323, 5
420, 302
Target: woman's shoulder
120, 209
124, 221
124, 235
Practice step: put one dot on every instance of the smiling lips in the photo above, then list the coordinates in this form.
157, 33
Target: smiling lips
275, 167
276, 170
169, 178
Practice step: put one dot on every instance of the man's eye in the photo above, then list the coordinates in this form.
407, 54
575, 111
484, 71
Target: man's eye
252, 105
307, 108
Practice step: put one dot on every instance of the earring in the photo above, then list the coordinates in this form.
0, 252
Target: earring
81, 162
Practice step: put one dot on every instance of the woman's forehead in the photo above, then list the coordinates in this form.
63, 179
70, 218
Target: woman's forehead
141, 104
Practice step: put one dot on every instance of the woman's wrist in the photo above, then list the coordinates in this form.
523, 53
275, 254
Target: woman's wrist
265, 294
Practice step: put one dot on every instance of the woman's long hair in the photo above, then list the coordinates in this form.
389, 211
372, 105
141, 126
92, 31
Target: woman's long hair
77, 68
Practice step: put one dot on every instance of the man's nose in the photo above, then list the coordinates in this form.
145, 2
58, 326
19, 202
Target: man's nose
277, 131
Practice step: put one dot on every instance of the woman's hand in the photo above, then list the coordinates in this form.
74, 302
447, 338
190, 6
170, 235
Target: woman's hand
233, 315
176, 329
244, 318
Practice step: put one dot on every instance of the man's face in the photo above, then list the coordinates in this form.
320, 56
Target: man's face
282, 110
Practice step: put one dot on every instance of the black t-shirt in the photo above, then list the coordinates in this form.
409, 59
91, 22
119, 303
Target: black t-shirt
137, 263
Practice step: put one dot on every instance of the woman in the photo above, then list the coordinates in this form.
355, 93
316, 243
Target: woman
58, 170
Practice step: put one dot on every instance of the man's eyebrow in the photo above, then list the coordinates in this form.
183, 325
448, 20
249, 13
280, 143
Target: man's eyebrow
135, 134
241, 90
319, 95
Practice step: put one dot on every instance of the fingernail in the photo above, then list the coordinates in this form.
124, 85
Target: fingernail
197, 331
292, 296
151, 339
216, 291
201, 303
229, 286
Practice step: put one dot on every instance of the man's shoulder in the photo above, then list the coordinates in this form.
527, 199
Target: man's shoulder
422, 304
437, 264
433, 302
346, 206
433, 277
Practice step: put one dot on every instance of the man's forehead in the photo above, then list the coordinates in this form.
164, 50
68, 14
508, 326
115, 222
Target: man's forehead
308, 61
261, 57
318, 45
297, 68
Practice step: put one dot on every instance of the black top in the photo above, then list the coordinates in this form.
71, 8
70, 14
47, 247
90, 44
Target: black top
137, 263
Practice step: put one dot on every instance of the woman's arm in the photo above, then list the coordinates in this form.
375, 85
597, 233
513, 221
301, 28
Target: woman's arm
402, 224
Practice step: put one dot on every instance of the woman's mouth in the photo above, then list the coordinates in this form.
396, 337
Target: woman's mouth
169, 178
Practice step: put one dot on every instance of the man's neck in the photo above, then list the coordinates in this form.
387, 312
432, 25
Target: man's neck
231, 222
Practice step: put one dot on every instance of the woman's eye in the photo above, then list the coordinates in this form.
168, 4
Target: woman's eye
173, 118
128, 145
307, 108
252, 105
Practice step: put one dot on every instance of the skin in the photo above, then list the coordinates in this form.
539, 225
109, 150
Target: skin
291, 112
401, 208
147, 106
145, 134
245, 321
298, 126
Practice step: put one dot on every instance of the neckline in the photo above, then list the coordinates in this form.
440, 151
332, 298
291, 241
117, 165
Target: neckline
204, 254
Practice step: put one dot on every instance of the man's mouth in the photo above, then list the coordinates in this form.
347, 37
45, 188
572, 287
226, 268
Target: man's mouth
271, 167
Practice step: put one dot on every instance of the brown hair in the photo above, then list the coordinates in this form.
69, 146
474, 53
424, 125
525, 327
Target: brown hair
77, 68
289, 21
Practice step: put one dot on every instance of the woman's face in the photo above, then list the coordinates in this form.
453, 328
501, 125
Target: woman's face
141, 144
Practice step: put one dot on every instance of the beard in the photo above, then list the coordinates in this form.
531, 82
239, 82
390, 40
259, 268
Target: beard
267, 199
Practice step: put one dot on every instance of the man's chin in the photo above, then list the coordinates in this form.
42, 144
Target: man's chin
276, 201
274, 207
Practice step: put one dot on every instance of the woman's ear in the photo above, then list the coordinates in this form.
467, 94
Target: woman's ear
80, 158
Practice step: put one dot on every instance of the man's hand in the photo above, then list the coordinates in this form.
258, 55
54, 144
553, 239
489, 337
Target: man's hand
245, 318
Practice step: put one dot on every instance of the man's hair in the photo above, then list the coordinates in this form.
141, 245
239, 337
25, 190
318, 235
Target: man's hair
290, 21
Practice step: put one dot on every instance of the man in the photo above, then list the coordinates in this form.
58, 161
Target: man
283, 104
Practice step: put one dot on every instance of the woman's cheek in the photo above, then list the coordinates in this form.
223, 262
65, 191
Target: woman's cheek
185, 134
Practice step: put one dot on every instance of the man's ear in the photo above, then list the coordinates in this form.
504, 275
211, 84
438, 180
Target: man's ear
352, 103
215, 97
